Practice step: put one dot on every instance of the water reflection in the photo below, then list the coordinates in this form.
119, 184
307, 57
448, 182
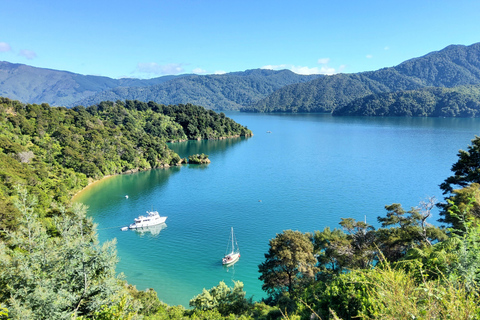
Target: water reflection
152, 231
187, 148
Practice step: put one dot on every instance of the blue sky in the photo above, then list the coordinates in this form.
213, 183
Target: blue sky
146, 38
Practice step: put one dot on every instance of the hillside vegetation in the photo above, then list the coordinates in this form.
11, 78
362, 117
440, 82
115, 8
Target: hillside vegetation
463, 101
218, 92
453, 66
59, 88
54, 152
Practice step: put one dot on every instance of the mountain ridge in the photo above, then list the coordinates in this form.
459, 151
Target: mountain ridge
64, 88
455, 65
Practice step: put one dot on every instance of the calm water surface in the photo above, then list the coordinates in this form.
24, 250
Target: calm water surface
309, 172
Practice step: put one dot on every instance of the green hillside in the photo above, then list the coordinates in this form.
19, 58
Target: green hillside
218, 92
462, 101
59, 88
453, 66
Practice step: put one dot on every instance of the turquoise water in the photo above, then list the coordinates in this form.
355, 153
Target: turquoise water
309, 172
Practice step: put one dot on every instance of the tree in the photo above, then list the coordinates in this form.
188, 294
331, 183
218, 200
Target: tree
289, 262
361, 236
56, 277
330, 247
222, 298
461, 198
466, 170
402, 230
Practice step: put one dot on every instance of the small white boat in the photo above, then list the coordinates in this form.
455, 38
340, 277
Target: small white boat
151, 219
233, 256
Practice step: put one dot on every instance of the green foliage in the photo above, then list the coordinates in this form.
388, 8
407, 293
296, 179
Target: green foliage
198, 159
3, 312
55, 277
402, 230
461, 101
396, 294
345, 294
330, 248
120, 311
462, 200
289, 263
222, 298
229, 91
467, 168
319, 95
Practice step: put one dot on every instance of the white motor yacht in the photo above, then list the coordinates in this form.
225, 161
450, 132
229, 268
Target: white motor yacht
151, 219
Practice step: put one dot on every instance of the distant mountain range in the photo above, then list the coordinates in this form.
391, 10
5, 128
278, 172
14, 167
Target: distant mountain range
270, 91
220, 92
456, 65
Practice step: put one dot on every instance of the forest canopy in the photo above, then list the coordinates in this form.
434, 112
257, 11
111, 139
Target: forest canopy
463, 101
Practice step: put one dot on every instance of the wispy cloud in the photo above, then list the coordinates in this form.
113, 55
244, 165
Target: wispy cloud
157, 69
323, 60
220, 72
29, 54
4, 47
369, 56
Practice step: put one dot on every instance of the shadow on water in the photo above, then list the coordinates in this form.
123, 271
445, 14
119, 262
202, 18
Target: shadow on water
209, 147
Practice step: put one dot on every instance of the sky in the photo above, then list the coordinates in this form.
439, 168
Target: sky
146, 38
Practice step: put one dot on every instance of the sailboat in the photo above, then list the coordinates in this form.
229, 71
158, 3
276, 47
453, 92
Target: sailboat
233, 256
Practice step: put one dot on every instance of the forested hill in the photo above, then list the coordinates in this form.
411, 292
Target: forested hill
455, 65
219, 92
462, 101
54, 151
59, 88
229, 91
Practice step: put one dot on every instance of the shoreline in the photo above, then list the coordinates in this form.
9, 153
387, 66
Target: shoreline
93, 182
90, 184
131, 171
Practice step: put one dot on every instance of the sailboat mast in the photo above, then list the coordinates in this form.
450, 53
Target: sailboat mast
233, 248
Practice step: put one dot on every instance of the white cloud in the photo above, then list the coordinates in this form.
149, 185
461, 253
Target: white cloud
369, 56
29, 54
199, 71
303, 70
4, 47
220, 72
386, 48
315, 70
157, 69
323, 60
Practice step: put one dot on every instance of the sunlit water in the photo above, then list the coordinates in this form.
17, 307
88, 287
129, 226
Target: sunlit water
309, 172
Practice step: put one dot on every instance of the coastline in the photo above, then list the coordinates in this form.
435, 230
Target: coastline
90, 184
94, 182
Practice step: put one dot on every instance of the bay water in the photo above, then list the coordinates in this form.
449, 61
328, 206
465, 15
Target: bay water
301, 172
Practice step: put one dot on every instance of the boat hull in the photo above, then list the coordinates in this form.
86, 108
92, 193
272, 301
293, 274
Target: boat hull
230, 259
139, 225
